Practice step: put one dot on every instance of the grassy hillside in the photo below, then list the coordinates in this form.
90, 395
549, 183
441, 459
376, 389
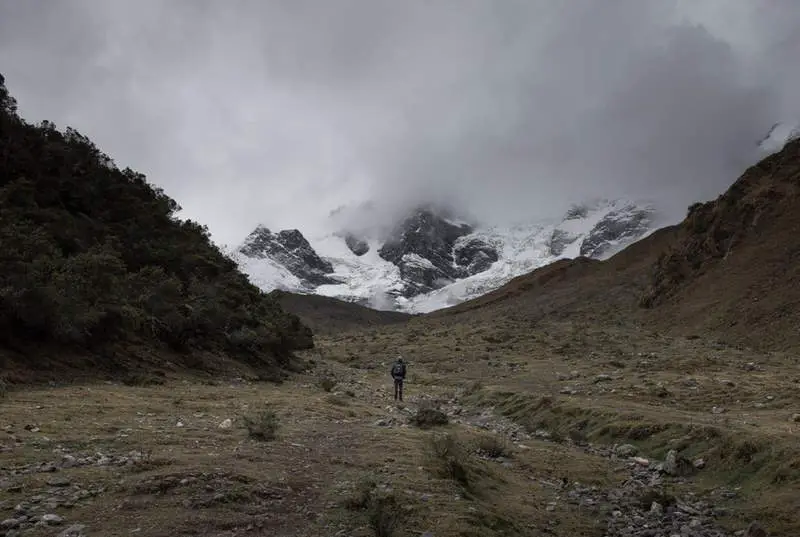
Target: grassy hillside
730, 270
94, 261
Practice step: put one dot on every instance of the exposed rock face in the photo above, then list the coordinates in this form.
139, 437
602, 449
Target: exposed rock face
427, 250
559, 241
291, 249
474, 255
621, 225
356, 245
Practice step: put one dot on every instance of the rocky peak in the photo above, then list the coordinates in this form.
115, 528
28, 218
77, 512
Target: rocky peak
291, 249
618, 226
428, 249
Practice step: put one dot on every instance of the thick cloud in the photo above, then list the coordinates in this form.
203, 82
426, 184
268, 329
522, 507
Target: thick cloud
250, 111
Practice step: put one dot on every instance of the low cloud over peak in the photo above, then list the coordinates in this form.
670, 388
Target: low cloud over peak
279, 112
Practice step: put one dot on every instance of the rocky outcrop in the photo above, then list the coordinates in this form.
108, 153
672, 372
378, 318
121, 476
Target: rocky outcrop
356, 245
428, 251
619, 226
474, 255
290, 249
559, 241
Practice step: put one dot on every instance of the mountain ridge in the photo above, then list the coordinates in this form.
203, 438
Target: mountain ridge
429, 259
731, 268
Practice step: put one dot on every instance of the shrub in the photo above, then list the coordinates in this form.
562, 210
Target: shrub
263, 426
429, 416
384, 514
362, 496
383, 511
448, 459
327, 384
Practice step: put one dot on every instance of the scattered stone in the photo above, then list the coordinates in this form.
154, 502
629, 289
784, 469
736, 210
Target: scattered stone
656, 509
602, 378
10, 524
76, 530
59, 481
718, 410
676, 465
699, 463
52, 519
641, 461
227, 423
796, 418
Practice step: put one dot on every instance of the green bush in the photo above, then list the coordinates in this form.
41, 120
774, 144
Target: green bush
263, 426
449, 459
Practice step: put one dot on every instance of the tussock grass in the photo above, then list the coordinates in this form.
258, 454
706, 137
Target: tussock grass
262, 426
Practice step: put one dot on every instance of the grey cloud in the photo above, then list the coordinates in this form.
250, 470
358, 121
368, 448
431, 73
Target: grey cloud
278, 112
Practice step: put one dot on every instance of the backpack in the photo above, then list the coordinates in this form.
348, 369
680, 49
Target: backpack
398, 370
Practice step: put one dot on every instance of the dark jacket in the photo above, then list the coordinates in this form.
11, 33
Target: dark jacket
398, 371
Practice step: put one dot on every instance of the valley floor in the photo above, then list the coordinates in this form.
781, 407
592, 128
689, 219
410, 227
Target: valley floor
554, 429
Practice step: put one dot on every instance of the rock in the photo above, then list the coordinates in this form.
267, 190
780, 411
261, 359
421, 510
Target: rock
656, 509
796, 418
602, 378
622, 224
59, 481
9, 523
626, 451
675, 465
76, 530
699, 463
227, 423
290, 249
52, 519
356, 245
717, 410
641, 461
68, 461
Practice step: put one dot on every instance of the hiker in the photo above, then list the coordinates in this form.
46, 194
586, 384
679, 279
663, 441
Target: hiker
398, 373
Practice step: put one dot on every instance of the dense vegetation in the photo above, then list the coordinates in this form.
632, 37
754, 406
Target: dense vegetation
92, 256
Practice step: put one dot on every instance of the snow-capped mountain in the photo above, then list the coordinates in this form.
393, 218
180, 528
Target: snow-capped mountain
431, 259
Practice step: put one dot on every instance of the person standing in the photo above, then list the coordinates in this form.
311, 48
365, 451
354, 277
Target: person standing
398, 373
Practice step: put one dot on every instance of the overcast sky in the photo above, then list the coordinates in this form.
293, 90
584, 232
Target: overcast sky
280, 111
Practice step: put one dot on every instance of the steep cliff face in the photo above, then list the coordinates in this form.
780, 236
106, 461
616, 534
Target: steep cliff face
290, 249
431, 253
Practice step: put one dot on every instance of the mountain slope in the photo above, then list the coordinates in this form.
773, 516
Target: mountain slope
93, 260
731, 268
431, 259
325, 315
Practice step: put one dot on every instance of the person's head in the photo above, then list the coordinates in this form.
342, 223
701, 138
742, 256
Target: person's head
400, 359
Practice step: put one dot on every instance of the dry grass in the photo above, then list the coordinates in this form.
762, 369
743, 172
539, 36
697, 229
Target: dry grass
331, 468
